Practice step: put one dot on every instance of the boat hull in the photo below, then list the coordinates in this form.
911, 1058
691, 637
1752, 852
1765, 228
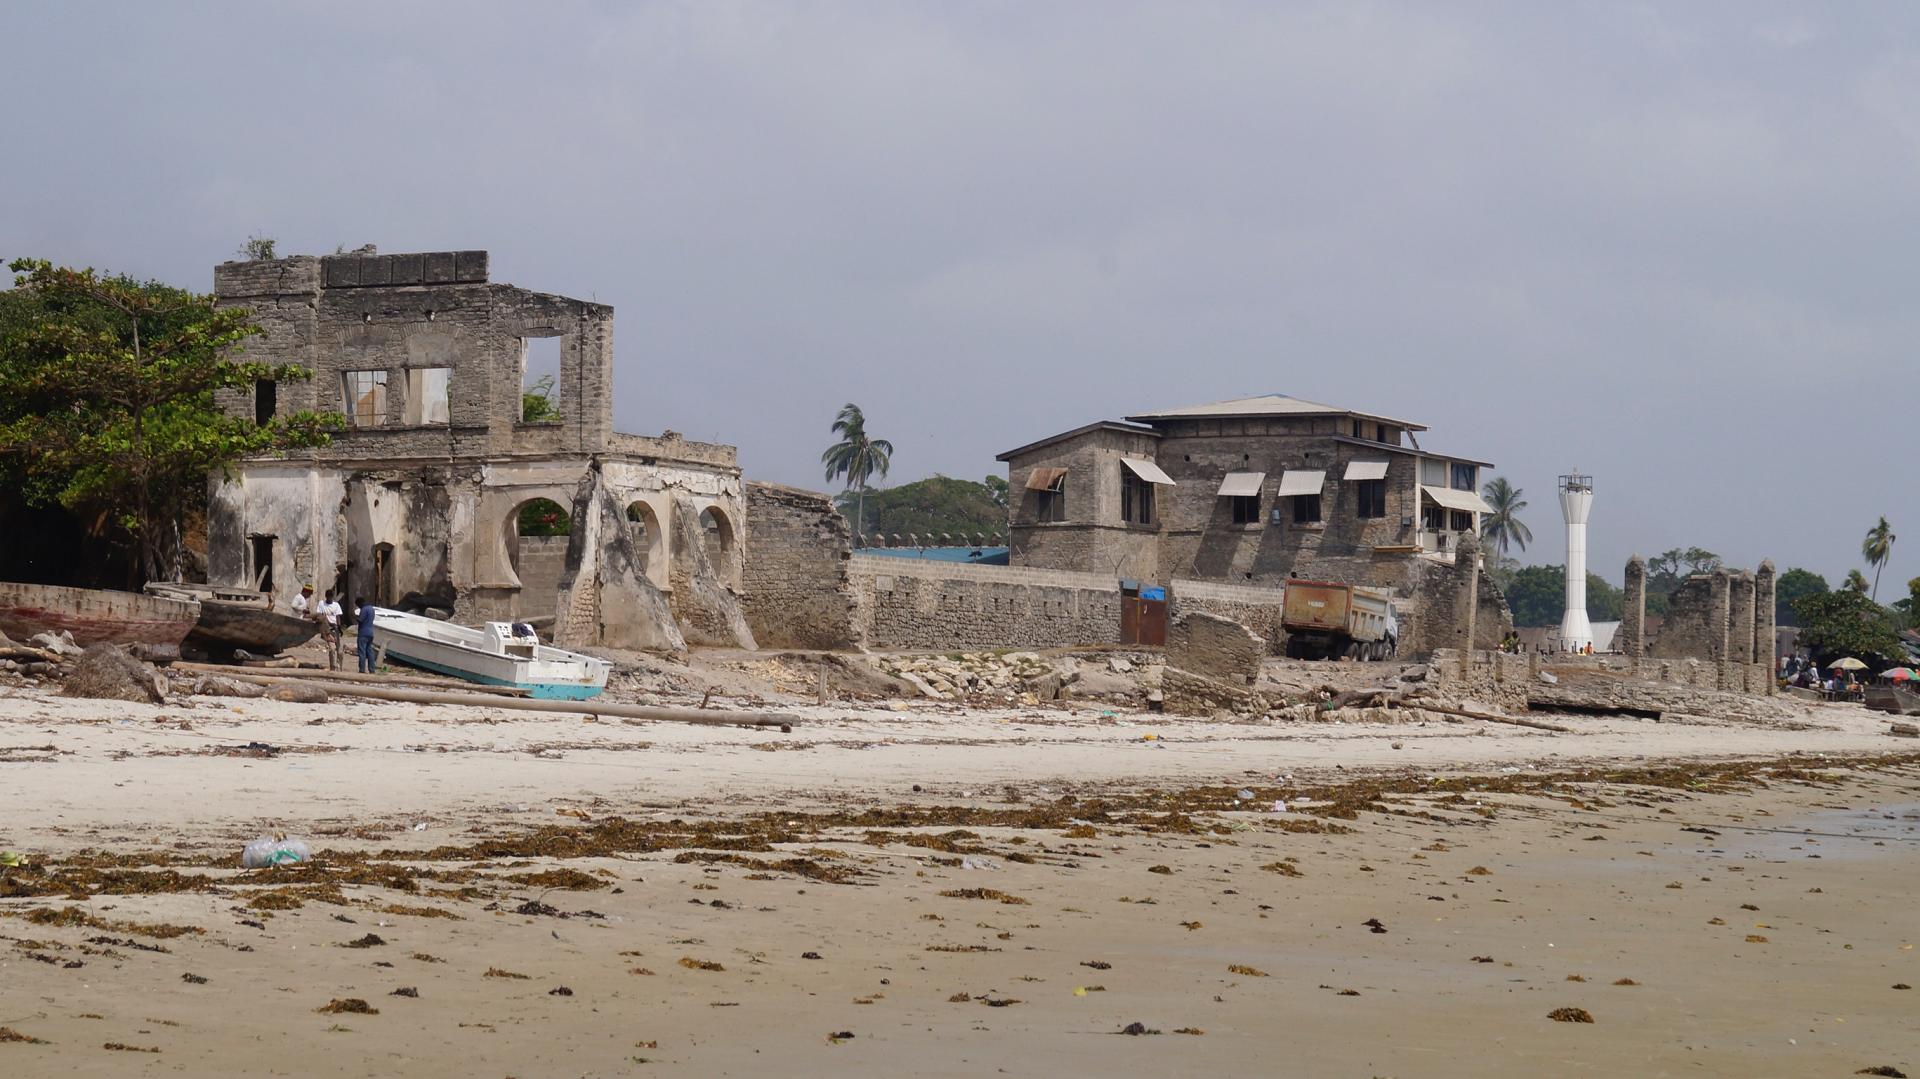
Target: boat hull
233, 618
545, 672
95, 616
546, 691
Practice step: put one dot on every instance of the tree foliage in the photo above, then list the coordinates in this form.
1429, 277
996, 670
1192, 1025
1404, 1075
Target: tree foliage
938, 504
544, 517
107, 401
1503, 526
536, 402
1790, 587
1848, 623
1670, 569
858, 457
1856, 582
1538, 596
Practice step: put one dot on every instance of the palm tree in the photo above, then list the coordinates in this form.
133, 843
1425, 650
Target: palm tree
1856, 582
1503, 525
1876, 549
856, 457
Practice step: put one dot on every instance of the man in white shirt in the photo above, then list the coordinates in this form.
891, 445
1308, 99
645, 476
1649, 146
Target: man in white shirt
328, 612
302, 601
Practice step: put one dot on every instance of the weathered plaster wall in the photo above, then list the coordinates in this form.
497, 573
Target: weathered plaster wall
796, 592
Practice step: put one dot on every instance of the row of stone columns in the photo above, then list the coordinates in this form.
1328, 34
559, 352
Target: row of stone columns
1735, 626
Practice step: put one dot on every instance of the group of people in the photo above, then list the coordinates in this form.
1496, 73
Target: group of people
328, 614
1804, 673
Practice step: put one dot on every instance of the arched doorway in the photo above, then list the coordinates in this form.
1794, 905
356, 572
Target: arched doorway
536, 543
717, 535
649, 541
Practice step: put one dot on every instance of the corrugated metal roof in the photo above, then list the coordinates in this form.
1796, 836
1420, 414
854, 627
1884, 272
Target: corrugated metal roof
1272, 404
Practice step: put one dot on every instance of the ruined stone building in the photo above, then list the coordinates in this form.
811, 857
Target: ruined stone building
467, 401
1724, 620
1251, 491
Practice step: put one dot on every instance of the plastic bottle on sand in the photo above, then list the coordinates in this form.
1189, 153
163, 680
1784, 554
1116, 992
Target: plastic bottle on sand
279, 850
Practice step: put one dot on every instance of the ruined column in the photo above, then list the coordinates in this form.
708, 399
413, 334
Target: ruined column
1719, 590
1467, 550
1631, 640
1740, 618
1764, 611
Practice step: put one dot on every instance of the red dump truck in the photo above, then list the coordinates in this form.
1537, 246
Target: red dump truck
1326, 619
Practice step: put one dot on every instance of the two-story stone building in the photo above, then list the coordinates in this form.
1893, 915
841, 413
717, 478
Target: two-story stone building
1250, 490
422, 492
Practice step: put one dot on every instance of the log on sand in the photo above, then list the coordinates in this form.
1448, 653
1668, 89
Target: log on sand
627, 712
426, 681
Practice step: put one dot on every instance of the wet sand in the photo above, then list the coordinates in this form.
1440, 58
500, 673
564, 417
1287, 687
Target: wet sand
555, 913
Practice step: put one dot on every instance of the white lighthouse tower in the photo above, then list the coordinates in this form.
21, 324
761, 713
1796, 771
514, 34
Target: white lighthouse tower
1576, 499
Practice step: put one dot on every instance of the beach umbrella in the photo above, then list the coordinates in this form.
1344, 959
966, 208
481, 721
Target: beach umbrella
1898, 674
1847, 664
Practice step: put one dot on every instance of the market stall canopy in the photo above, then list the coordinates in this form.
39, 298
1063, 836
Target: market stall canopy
1366, 470
1242, 484
1458, 500
1147, 470
1045, 479
1294, 483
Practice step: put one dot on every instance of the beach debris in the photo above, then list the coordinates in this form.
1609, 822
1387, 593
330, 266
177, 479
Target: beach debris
1191, 926
560, 991
1165, 871
1887, 1070
371, 940
984, 893
405, 991
268, 851
1625, 981
105, 672
1483, 959
1570, 1015
809, 955
1195, 1031
496, 972
8, 1034
125, 1048
977, 863
193, 979
213, 685
1374, 925
1136, 1029
691, 963
1755, 938
1247, 971
11, 859
1101, 964
1479, 871
347, 1006
1244, 795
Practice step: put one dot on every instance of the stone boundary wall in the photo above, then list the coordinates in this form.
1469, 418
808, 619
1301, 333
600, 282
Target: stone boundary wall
916, 604
795, 587
1508, 681
543, 561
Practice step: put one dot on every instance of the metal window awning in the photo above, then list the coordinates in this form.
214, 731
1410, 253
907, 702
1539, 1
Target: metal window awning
1242, 484
1366, 470
1457, 500
1045, 479
1294, 483
1147, 470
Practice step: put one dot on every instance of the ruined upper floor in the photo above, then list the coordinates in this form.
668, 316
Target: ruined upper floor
428, 358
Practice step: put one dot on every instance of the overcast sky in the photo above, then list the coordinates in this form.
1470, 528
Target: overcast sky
1672, 245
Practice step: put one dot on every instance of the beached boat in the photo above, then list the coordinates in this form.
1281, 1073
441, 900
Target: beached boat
1899, 702
490, 655
95, 616
233, 618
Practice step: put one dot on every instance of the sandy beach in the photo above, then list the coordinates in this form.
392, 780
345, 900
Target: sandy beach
921, 888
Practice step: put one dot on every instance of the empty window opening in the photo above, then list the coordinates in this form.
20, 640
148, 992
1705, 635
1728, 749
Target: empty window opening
1380, 432
718, 537
260, 562
1306, 509
1373, 499
1136, 498
1246, 509
1463, 477
266, 401
540, 380
1050, 504
646, 533
1433, 516
1460, 520
428, 395
366, 397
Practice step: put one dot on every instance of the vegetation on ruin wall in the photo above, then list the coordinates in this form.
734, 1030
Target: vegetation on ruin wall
929, 507
107, 403
1848, 623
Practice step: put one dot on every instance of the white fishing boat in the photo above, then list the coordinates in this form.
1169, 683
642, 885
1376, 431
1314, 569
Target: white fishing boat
490, 654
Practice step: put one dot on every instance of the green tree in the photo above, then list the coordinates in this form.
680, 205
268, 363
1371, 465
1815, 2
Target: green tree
1876, 549
544, 517
1790, 587
858, 457
1856, 582
536, 403
930, 507
258, 249
997, 490
1668, 570
107, 401
1538, 596
1847, 623
1503, 526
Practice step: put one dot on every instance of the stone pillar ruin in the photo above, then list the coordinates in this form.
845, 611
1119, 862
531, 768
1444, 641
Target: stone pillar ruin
1468, 550
1764, 611
1740, 617
1631, 640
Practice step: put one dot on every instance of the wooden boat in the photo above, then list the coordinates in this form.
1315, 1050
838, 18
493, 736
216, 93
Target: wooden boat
490, 655
95, 616
233, 618
1899, 702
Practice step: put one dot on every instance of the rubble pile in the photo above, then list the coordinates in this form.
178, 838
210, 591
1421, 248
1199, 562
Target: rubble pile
108, 673
969, 674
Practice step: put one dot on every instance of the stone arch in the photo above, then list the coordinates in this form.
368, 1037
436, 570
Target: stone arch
722, 540
651, 541
531, 566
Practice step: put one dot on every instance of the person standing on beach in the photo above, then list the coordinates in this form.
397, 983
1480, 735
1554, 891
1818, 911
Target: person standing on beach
329, 613
363, 611
302, 601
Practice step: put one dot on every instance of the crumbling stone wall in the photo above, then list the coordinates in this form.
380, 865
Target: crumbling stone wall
1258, 609
1739, 617
605, 596
1630, 639
708, 611
1213, 664
1454, 605
543, 561
795, 589
1696, 622
1765, 612
1547, 682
